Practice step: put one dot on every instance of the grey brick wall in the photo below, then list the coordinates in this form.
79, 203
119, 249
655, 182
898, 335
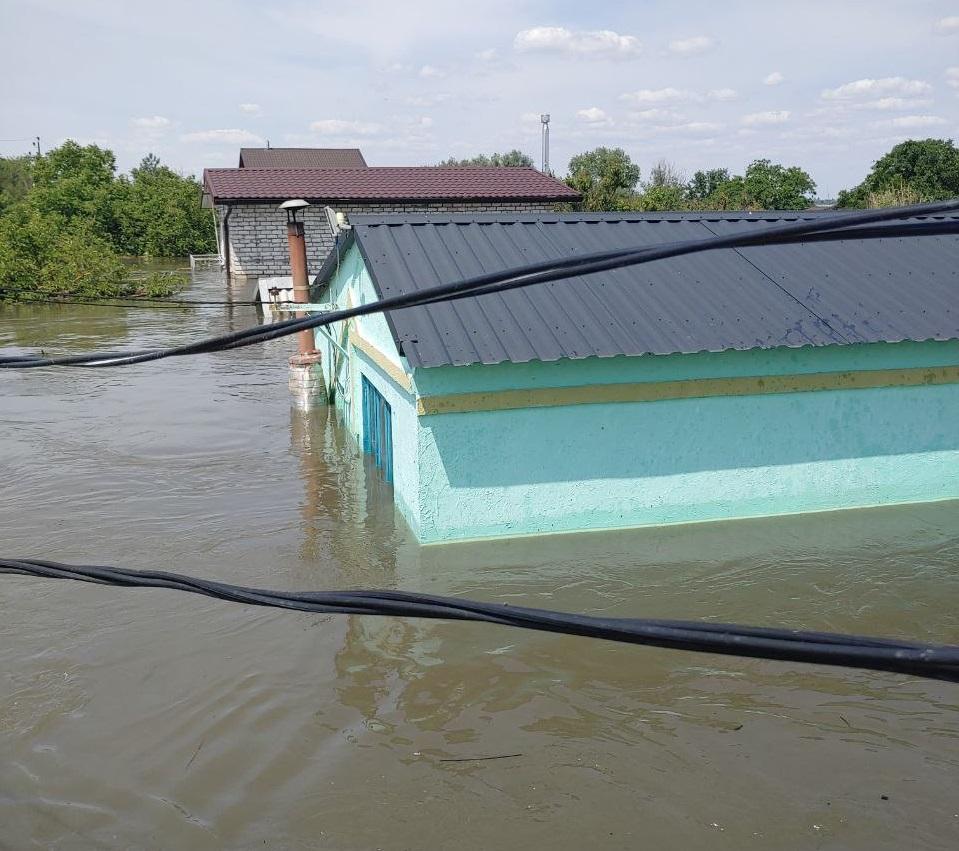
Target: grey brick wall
258, 245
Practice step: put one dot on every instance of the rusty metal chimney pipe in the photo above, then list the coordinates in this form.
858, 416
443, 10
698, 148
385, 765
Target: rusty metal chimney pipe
296, 240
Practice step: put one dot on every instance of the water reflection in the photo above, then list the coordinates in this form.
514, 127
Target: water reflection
150, 719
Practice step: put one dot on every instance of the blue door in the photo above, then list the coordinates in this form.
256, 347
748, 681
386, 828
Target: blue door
378, 429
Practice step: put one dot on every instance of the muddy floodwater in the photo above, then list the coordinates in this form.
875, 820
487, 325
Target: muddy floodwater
154, 719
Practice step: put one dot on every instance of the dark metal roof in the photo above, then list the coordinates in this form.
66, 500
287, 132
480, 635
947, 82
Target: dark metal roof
384, 183
807, 294
301, 158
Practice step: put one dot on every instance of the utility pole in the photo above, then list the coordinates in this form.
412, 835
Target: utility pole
37, 143
544, 118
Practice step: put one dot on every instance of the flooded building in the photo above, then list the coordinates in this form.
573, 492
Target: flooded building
252, 231
731, 383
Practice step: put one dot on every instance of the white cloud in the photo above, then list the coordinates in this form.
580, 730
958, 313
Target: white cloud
658, 120
878, 87
914, 121
818, 132
773, 79
722, 94
667, 95
231, 137
596, 44
250, 108
674, 95
340, 127
692, 127
152, 122
489, 55
773, 116
948, 25
952, 77
690, 46
431, 71
889, 104
658, 116
594, 115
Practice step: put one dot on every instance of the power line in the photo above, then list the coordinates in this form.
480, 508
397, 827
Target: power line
936, 662
822, 228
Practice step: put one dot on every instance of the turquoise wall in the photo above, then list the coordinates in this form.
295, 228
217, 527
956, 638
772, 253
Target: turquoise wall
555, 469
534, 470
352, 278
634, 464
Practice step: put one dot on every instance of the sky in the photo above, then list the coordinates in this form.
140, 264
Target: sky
829, 86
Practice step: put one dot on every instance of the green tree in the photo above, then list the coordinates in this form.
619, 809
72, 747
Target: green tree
151, 162
770, 186
605, 177
705, 183
660, 198
514, 158
764, 186
158, 213
665, 189
924, 169
15, 180
728, 195
75, 181
665, 174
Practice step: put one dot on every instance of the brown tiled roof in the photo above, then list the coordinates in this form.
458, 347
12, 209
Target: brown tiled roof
301, 158
384, 183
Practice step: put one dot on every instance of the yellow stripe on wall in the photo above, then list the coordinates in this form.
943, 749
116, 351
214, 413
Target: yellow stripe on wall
696, 388
374, 354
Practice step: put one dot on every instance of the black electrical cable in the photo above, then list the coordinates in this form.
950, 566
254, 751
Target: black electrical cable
937, 662
852, 225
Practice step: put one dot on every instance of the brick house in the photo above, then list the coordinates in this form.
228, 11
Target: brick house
253, 230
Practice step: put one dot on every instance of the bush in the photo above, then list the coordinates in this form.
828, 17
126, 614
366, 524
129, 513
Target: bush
160, 284
51, 256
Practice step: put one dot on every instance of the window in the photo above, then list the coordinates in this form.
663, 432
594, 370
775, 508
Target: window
377, 429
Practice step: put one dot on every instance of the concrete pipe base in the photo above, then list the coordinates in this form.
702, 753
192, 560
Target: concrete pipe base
306, 380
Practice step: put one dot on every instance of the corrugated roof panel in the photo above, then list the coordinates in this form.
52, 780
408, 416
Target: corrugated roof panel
795, 295
901, 288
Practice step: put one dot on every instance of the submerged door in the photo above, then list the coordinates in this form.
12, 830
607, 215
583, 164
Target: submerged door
377, 429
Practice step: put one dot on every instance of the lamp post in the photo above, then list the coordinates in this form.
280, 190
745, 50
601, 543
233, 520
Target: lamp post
303, 381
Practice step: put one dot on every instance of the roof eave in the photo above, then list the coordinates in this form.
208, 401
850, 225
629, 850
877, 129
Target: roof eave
381, 199
332, 261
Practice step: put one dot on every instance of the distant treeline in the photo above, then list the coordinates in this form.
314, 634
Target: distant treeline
912, 172
67, 218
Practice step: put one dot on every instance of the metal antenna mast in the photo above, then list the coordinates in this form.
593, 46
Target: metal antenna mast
545, 119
